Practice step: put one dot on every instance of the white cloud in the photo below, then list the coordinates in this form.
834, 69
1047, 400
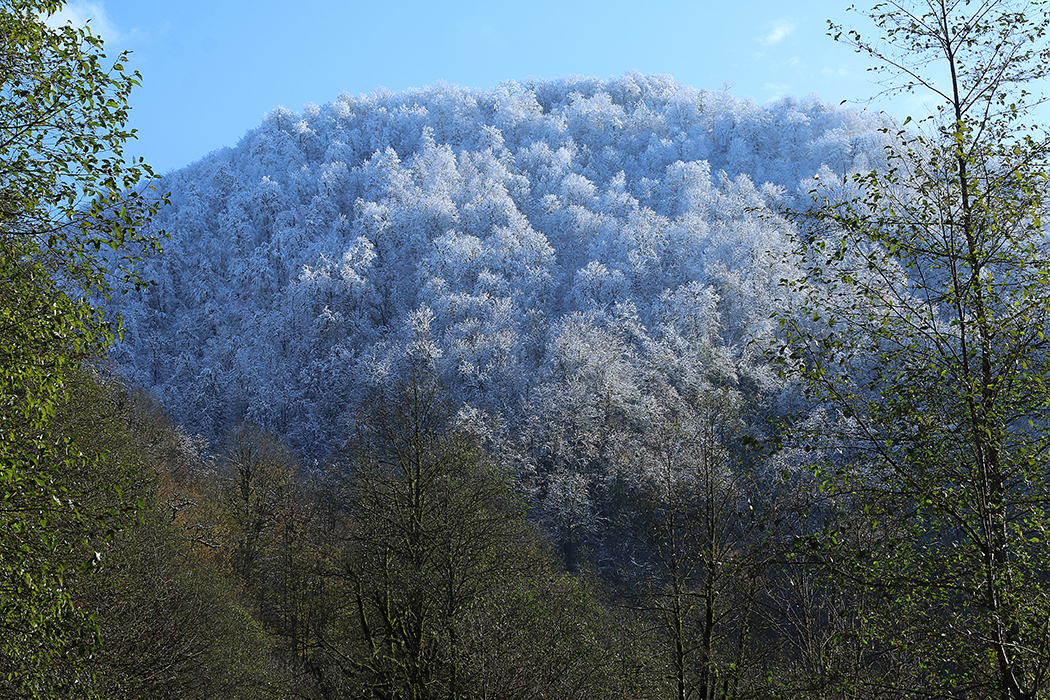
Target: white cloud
78, 12
781, 28
774, 90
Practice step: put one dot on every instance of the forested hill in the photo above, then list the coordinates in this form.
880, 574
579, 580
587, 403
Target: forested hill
571, 254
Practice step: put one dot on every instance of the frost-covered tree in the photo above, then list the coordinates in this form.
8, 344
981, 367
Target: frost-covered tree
503, 211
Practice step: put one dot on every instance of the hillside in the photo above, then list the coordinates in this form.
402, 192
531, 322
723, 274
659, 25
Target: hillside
560, 249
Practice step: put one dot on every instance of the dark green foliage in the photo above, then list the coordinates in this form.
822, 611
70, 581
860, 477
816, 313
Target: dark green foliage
170, 625
164, 621
427, 580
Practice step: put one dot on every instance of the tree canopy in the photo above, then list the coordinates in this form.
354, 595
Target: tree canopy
926, 285
72, 207
487, 318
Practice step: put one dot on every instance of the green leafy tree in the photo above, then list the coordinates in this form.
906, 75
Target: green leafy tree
924, 309
71, 212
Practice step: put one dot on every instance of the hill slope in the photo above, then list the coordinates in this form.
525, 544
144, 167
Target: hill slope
563, 251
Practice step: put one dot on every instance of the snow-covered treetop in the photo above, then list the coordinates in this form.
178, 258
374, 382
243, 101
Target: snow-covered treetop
562, 239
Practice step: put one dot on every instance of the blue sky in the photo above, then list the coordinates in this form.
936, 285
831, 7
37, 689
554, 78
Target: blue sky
212, 68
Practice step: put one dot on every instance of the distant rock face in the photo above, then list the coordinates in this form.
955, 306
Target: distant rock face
559, 251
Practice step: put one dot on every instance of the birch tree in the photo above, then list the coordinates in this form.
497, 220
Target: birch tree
921, 326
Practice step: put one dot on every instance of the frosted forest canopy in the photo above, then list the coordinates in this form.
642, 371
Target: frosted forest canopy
571, 255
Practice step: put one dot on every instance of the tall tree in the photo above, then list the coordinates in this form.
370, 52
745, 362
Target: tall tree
71, 211
696, 557
925, 311
257, 493
434, 530
436, 586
